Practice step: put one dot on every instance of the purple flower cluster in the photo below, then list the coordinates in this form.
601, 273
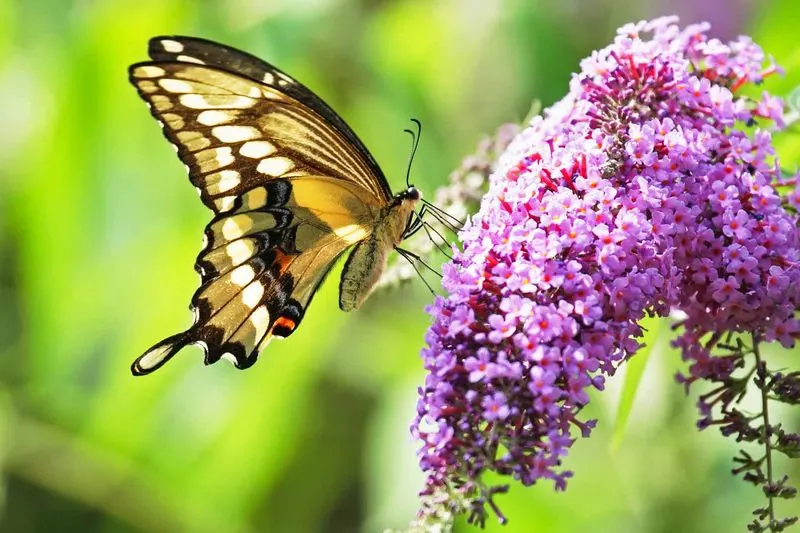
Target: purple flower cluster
649, 187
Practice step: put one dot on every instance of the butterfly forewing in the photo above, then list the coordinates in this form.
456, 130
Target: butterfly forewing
233, 133
201, 51
290, 185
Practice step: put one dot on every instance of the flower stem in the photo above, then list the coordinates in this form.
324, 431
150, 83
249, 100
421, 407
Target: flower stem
765, 432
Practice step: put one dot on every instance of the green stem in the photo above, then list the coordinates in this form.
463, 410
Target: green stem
765, 432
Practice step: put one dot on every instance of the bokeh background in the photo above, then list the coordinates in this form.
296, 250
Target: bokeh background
99, 229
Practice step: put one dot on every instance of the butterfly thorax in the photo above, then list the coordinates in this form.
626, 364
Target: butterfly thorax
367, 262
394, 218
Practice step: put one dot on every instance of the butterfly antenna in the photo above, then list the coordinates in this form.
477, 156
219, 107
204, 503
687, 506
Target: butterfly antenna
414, 144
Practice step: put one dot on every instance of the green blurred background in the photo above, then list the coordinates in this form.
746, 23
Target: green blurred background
99, 229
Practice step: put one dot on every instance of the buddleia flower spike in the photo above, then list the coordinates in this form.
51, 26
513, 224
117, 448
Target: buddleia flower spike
639, 193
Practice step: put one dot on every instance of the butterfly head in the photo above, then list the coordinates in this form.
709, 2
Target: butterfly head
411, 194
403, 210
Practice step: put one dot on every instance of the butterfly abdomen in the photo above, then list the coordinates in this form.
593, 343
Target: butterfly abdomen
366, 263
362, 271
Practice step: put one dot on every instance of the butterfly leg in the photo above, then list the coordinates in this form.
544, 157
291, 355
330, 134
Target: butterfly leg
415, 223
413, 258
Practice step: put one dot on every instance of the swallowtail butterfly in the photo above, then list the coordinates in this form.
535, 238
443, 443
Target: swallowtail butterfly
291, 188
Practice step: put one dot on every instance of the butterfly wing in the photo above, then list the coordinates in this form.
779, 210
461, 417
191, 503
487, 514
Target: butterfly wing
201, 51
290, 190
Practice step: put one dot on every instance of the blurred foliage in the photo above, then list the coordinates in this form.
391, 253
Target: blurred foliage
99, 229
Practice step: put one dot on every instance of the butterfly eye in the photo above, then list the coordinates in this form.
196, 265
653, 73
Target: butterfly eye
412, 193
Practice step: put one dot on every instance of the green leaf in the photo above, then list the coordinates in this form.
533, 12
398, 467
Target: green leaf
793, 100
535, 110
634, 370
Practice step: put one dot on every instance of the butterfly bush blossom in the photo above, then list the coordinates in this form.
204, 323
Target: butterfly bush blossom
650, 187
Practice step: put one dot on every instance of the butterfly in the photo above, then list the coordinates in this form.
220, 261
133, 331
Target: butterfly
291, 188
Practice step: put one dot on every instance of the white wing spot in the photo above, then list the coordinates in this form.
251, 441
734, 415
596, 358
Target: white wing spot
212, 101
148, 71
176, 86
268, 78
251, 295
214, 117
229, 180
260, 321
242, 275
254, 198
233, 134
257, 149
171, 46
214, 158
190, 59
173, 121
271, 94
240, 250
224, 204
236, 226
154, 357
213, 179
275, 166
193, 140
147, 86
161, 102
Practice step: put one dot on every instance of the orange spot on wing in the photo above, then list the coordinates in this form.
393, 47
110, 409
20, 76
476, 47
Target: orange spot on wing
283, 326
282, 260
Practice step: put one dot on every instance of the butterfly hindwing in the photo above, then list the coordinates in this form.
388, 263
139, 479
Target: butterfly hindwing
261, 265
